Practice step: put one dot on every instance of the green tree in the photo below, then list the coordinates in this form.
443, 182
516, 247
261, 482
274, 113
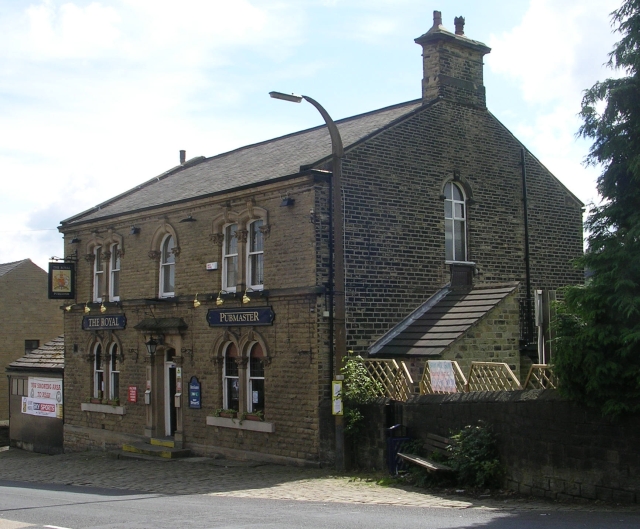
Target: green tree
598, 327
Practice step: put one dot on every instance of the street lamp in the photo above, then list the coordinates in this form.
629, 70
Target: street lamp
336, 255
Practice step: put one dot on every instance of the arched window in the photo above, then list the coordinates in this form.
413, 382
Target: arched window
114, 271
231, 381
98, 274
230, 258
98, 372
167, 267
114, 373
255, 376
255, 255
455, 229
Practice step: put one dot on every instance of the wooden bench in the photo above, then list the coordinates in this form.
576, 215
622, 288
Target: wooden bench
433, 444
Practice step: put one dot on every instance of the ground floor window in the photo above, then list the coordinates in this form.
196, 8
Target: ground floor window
255, 377
231, 379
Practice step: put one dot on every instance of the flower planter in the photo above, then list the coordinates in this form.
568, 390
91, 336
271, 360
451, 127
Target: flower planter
95, 401
253, 417
228, 415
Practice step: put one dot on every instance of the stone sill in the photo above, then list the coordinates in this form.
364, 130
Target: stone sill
103, 408
254, 426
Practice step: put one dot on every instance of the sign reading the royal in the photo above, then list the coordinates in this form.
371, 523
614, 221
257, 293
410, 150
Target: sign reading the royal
104, 323
62, 280
44, 398
240, 317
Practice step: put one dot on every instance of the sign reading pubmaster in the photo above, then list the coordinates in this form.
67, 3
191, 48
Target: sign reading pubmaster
240, 317
104, 323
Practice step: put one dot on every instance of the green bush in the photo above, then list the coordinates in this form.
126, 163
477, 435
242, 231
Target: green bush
474, 457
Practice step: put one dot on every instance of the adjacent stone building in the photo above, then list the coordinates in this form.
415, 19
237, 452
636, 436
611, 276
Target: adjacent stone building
208, 286
27, 317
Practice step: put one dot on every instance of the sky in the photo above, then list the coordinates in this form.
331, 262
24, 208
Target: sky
99, 96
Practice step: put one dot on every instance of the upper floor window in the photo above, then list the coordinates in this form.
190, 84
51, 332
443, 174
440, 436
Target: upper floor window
98, 274
114, 268
255, 256
167, 267
455, 229
230, 258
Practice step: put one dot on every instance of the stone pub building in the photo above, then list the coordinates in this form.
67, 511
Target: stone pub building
206, 288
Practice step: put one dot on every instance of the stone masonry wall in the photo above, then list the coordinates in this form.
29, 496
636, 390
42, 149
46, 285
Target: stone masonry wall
548, 446
25, 314
394, 225
297, 357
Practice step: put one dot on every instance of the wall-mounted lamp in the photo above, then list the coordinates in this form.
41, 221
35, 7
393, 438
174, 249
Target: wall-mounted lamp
134, 230
188, 219
152, 345
286, 201
196, 303
87, 310
75, 240
68, 307
246, 299
103, 309
219, 300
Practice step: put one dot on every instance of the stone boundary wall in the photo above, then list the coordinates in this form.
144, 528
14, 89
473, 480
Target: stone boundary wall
549, 446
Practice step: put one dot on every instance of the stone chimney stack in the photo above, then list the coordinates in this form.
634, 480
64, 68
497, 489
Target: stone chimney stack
452, 64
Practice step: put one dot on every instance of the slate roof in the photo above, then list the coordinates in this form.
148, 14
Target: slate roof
441, 320
48, 356
5, 268
246, 166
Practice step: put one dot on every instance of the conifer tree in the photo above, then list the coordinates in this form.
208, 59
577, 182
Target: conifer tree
598, 326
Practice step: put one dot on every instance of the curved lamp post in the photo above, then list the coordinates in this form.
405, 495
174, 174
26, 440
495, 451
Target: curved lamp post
336, 255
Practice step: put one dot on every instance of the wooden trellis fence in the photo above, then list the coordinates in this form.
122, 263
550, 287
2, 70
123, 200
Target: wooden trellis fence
394, 377
491, 376
541, 376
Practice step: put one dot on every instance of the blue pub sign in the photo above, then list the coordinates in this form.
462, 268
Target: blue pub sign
240, 317
195, 394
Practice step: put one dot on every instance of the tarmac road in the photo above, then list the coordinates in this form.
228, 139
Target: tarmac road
90, 490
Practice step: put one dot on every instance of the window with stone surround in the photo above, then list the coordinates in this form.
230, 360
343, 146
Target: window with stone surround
455, 223
114, 373
98, 274
231, 379
255, 256
114, 273
230, 257
255, 380
98, 372
167, 267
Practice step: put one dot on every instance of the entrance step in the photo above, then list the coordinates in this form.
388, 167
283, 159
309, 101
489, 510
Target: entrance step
166, 452
163, 441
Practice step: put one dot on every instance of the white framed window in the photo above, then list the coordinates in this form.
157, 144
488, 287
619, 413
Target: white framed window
231, 379
230, 258
255, 256
167, 267
98, 274
255, 377
455, 223
114, 373
98, 372
114, 273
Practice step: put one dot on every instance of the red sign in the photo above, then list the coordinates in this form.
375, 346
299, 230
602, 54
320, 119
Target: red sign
133, 394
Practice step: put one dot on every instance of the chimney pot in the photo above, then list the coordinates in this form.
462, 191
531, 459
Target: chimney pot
458, 22
437, 19
183, 156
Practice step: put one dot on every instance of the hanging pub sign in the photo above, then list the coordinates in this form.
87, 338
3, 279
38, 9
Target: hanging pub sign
195, 399
104, 323
240, 317
62, 281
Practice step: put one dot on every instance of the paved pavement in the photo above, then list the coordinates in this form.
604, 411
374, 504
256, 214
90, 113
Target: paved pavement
221, 477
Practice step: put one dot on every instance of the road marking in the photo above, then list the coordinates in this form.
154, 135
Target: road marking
54, 527
10, 524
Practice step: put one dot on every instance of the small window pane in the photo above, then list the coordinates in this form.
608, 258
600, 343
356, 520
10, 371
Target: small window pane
256, 237
448, 240
457, 194
459, 237
459, 211
230, 240
447, 209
